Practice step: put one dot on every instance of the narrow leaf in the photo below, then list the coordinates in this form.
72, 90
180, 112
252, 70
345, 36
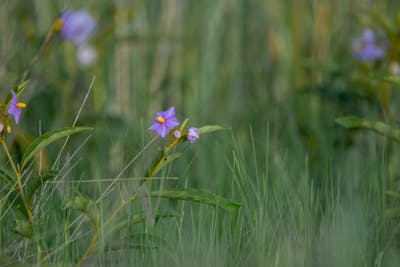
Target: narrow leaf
349, 122
24, 229
16, 202
141, 217
210, 128
42, 141
5, 177
376, 126
10, 194
34, 183
167, 160
197, 196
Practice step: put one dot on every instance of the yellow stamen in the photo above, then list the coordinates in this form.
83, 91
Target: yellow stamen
160, 119
21, 105
58, 24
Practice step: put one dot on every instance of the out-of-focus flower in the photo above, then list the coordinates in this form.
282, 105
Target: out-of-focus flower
394, 68
15, 107
87, 55
1, 127
177, 134
164, 121
193, 134
76, 26
368, 48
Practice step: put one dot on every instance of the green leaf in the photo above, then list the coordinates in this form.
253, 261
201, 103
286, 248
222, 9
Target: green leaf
30, 187
21, 87
210, 128
376, 126
16, 202
349, 122
167, 160
33, 184
42, 141
5, 177
24, 229
11, 194
86, 206
137, 241
195, 195
141, 217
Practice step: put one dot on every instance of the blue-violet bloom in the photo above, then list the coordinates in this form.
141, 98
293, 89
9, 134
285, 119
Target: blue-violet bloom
367, 48
15, 107
164, 121
193, 134
77, 26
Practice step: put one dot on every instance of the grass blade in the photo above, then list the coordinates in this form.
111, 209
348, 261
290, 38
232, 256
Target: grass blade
195, 195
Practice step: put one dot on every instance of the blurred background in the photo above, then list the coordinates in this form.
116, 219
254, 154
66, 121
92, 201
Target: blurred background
277, 72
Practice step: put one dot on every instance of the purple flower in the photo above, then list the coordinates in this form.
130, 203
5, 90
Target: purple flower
77, 27
193, 134
15, 107
164, 121
367, 48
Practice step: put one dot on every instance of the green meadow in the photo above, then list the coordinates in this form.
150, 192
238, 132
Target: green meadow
283, 184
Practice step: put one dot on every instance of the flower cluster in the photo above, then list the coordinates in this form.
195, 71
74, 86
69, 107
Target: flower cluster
77, 27
166, 122
368, 48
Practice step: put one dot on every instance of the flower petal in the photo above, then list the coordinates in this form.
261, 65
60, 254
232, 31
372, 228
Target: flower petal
162, 130
169, 113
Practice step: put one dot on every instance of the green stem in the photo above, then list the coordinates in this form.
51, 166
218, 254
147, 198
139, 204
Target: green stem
38, 54
10, 158
120, 207
134, 196
91, 245
18, 174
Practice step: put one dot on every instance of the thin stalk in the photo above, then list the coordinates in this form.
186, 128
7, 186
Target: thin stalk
18, 174
10, 158
38, 54
134, 196
120, 207
91, 245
